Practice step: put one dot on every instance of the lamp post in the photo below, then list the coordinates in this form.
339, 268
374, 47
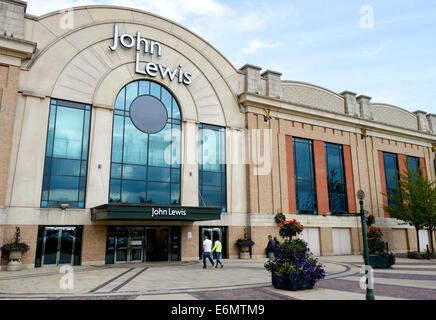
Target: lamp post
361, 196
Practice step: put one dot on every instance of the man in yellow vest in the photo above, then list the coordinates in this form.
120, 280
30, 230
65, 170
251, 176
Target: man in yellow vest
218, 248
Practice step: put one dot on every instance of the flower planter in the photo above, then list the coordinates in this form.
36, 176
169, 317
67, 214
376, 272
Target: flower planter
244, 253
379, 262
14, 260
285, 284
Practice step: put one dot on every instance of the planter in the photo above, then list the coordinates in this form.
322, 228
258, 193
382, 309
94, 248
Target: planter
14, 260
379, 262
244, 253
285, 284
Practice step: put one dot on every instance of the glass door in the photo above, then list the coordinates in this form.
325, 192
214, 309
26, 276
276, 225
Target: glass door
212, 233
157, 244
136, 240
58, 246
121, 245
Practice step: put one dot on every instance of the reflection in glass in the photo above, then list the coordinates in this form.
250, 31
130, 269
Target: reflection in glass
212, 166
336, 178
66, 163
390, 163
305, 191
145, 167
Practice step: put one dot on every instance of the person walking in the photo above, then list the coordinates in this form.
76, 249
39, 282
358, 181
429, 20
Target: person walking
276, 246
217, 247
270, 248
207, 251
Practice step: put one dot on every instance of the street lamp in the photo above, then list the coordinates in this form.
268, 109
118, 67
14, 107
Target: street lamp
361, 196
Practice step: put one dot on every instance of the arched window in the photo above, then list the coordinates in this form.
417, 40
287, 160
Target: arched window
145, 166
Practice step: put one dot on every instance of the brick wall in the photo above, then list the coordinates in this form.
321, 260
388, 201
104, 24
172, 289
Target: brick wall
94, 244
8, 99
29, 234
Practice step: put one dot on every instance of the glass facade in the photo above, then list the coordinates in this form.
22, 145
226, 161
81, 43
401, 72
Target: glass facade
336, 178
66, 156
212, 166
305, 189
145, 167
390, 163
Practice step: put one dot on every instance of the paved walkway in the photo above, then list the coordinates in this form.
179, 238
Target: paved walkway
239, 279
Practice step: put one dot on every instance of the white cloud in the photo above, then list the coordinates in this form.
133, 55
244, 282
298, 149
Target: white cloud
369, 53
255, 44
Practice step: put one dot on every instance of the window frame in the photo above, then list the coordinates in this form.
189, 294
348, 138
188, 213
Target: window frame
223, 166
85, 108
124, 113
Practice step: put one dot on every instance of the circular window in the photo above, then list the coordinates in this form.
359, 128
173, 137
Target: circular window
148, 114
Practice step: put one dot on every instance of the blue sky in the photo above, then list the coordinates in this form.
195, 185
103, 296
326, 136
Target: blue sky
320, 42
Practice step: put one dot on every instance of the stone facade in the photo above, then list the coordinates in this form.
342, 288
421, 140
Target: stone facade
44, 60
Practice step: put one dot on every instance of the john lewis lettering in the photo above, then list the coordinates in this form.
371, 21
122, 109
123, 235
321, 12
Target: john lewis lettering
150, 47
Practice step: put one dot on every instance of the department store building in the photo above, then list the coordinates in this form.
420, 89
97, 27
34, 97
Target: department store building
125, 137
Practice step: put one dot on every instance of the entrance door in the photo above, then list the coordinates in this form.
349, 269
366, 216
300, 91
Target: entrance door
157, 244
341, 241
121, 245
423, 240
129, 244
212, 233
58, 246
311, 236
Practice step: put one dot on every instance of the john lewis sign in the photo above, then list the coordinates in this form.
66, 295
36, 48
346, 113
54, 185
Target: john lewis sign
126, 212
149, 47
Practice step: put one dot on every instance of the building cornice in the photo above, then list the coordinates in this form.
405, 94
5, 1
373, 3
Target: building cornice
16, 49
256, 103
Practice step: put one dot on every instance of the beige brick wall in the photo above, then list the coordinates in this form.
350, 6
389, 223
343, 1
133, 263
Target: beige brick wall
326, 241
8, 99
29, 234
260, 236
233, 234
94, 244
189, 246
356, 240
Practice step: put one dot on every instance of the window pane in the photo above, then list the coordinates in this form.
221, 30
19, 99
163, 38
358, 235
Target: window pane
210, 150
86, 136
119, 102
155, 90
115, 191
64, 188
158, 193
158, 174
50, 133
166, 100
144, 88
159, 152
65, 167
131, 93
304, 175
175, 193
133, 191
303, 161
305, 201
134, 172
68, 134
117, 139
116, 170
135, 144
212, 196
176, 110
212, 178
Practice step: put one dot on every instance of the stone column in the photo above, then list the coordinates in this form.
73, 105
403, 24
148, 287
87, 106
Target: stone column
351, 107
423, 124
12, 18
431, 118
252, 78
365, 107
273, 84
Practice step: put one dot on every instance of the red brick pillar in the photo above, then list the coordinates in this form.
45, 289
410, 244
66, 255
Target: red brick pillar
402, 166
383, 180
422, 166
322, 192
349, 180
291, 179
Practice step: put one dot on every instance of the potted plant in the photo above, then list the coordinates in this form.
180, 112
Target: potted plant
280, 217
15, 248
294, 268
290, 228
379, 256
244, 244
